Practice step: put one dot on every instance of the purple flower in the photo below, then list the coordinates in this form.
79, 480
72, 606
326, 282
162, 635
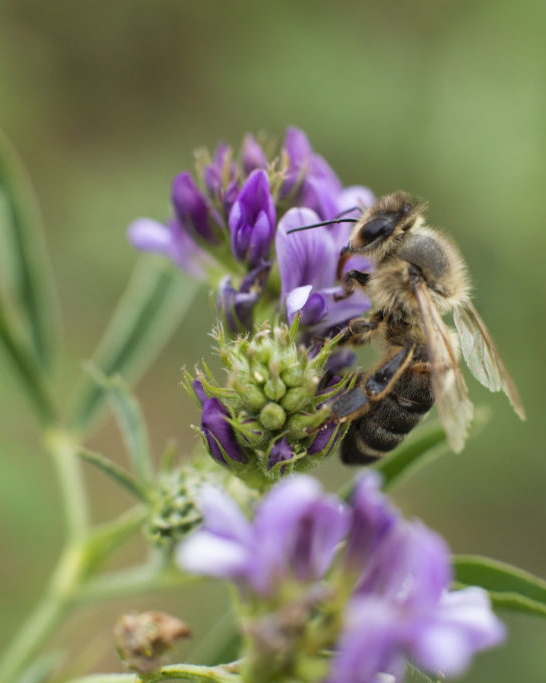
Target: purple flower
253, 156
310, 181
308, 265
401, 607
252, 220
281, 451
194, 210
218, 432
389, 578
220, 177
295, 535
237, 306
170, 240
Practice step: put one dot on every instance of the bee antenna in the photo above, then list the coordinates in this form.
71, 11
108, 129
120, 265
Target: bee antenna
330, 222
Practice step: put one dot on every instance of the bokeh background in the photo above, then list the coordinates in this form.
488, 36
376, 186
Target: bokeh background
105, 102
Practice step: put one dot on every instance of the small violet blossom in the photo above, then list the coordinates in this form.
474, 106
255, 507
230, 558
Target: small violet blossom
295, 534
236, 305
170, 240
310, 181
389, 577
216, 429
252, 220
194, 210
308, 262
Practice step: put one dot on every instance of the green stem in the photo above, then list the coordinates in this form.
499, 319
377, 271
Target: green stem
63, 450
49, 612
69, 580
188, 672
147, 577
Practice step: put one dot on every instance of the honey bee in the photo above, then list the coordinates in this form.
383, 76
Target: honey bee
418, 276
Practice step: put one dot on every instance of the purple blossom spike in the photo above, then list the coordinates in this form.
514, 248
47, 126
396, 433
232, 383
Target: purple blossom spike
253, 156
310, 181
372, 520
295, 534
281, 451
252, 220
170, 240
219, 433
237, 306
308, 264
193, 209
402, 607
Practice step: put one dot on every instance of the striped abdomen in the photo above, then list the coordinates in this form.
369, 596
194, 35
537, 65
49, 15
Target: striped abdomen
389, 420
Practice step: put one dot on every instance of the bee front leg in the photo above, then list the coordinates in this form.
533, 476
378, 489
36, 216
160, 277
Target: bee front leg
361, 331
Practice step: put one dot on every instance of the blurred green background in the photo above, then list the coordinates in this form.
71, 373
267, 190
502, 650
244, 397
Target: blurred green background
444, 98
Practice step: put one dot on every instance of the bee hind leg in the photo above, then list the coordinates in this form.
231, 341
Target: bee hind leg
381, 381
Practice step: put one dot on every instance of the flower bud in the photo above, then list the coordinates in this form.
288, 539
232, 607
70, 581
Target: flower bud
272, 416
174, 511
193, 210
252, 220
271, 410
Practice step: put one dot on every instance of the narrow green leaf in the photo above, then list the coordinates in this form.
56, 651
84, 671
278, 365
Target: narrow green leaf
415, 675
131, 422
115, 472
429, 444
40, 670
153, 305
23, 255
509, 587
27, 368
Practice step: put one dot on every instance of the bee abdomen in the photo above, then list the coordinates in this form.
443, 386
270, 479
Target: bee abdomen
387, 422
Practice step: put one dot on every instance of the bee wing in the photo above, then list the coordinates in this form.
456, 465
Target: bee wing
482, 357
448, 385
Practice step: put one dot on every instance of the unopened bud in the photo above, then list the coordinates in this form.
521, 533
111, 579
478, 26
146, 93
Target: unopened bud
272, 416
295, 399
293, 376
274, 389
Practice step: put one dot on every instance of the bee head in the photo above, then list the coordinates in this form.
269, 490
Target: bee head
379, 226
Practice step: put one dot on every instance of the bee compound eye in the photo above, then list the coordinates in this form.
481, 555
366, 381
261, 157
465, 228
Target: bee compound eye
379, 227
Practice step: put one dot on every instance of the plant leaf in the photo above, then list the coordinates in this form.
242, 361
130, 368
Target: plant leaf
149, 311
131, 422
27, 367
41, 668
115, 472
509, 587
417, 676
428, 445
23, 256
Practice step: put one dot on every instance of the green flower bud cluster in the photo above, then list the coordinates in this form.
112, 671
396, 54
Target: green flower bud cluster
174, 512
274, 400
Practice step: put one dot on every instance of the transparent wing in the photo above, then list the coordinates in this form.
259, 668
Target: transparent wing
448, 385
482, 357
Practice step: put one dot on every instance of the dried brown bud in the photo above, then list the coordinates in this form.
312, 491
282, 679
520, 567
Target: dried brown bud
142, 638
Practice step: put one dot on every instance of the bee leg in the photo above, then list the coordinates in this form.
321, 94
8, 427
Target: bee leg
357, 276
373, 388
350, 404
381, 381
359, 331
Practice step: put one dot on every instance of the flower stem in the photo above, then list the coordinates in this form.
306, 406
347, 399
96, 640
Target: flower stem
63, 450
188, 672
49, 612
